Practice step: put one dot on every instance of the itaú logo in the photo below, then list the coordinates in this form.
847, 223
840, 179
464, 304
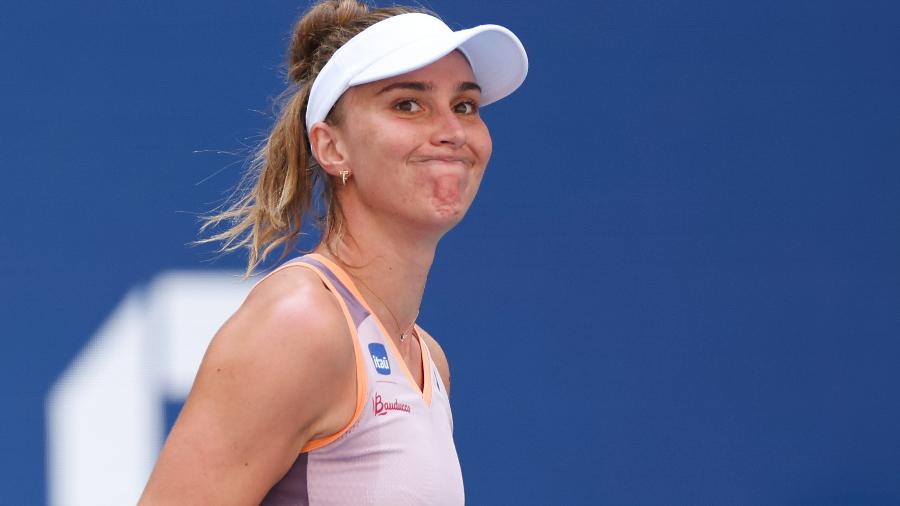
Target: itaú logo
106, 414
380, 358
382, 408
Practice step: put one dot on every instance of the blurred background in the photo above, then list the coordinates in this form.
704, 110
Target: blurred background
680, 283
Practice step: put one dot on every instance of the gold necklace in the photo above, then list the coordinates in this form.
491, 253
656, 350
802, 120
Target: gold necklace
404, 333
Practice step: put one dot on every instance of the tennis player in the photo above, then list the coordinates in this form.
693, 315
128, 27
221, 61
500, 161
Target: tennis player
321, 388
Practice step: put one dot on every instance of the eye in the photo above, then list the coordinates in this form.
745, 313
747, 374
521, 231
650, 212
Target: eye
466, 108
408, 105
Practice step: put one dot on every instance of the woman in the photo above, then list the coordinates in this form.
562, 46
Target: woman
321, 389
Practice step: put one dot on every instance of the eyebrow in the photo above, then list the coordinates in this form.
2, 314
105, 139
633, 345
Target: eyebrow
423, 86
468, 85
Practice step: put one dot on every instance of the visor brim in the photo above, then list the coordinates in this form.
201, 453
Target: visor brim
496, 55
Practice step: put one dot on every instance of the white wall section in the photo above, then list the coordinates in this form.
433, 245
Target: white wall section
105, 414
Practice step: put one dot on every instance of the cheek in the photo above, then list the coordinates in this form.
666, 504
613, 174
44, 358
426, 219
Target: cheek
378, 148
482, 144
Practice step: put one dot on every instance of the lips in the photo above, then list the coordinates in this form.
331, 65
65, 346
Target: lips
445, 160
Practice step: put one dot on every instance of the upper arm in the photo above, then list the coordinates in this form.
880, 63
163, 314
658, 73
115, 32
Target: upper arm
270, 381
439, 358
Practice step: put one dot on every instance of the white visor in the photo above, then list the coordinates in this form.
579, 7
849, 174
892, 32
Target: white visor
408, 42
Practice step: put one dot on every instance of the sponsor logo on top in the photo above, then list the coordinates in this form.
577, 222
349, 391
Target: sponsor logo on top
382, 408
380, 358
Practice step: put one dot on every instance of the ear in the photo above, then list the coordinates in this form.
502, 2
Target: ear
325, 143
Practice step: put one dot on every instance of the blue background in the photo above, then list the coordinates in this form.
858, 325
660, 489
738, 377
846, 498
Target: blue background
680, 283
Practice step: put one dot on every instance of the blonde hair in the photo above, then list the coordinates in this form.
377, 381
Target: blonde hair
276, 195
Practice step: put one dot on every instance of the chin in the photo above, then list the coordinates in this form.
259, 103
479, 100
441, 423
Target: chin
450, 199
442, 217
450, 213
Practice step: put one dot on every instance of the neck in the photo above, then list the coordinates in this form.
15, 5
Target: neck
390, 270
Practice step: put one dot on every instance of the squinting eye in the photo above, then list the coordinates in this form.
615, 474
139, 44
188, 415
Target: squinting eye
465, 108
408, 106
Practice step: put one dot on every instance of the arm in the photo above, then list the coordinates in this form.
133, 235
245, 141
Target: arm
280, 372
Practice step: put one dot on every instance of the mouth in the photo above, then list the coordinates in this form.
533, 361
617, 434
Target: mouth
445, 160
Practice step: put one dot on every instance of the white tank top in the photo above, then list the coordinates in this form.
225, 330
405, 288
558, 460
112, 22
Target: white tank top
397, 449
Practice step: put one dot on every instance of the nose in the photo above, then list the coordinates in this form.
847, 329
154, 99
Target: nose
448, 130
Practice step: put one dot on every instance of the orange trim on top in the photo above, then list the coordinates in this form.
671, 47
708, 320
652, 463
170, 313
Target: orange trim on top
426, 370
361, 382
345, 278
427, 364
425, 336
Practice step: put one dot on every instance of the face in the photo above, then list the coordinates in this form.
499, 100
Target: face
416, 145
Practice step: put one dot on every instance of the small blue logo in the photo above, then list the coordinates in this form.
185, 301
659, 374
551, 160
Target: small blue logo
380, 358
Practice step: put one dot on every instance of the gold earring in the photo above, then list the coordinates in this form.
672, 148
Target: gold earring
345, 174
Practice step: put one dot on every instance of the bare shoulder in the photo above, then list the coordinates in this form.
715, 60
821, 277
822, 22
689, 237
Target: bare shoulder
288, 335
437, 354
290, 303
290, 318
280, 372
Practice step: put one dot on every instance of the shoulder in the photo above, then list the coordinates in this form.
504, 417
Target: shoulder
290, 296
289, 331
288, 315
279, 373
291, 319
437, 355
